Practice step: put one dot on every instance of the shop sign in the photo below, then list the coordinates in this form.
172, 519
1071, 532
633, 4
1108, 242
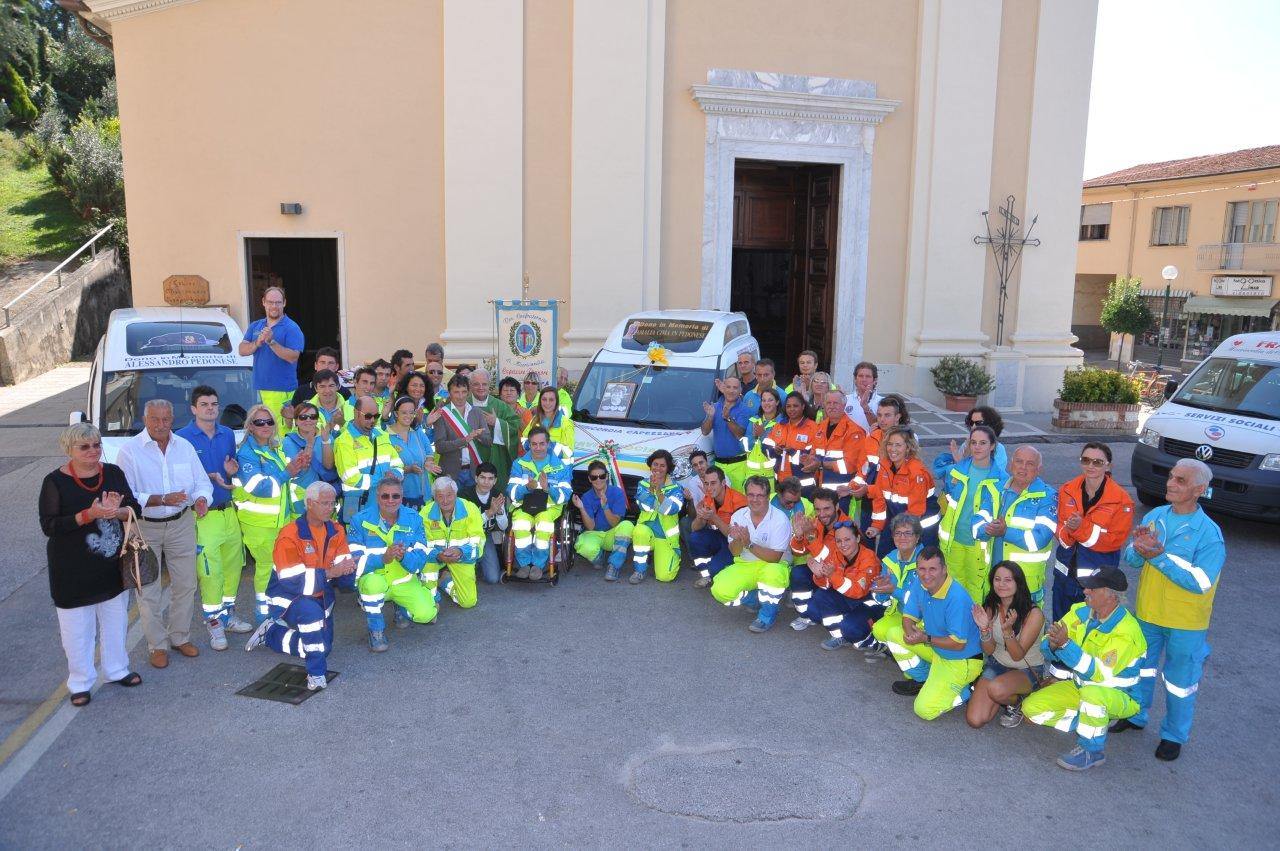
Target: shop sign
1240, 285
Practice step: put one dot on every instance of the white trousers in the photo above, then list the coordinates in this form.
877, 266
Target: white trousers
83, 627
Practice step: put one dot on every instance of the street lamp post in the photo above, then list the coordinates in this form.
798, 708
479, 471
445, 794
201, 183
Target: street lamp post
1170, 274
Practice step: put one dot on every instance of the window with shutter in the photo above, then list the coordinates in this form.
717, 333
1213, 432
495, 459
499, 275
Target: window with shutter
1095, 221
1169, 226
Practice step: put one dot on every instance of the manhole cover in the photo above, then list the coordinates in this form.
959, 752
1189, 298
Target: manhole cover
284, 683
746, 784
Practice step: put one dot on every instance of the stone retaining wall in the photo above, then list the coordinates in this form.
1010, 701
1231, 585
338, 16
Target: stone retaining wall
66, 323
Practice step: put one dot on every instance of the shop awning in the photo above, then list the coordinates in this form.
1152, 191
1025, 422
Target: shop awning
1227, 306
1160, 293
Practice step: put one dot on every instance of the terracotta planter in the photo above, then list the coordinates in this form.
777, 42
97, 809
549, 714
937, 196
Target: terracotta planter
960, 404
1095, 416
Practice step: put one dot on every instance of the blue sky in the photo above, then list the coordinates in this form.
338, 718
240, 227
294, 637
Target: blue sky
1179, 78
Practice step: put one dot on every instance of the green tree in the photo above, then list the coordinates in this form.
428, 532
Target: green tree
14, 92
80, 70
1125, 311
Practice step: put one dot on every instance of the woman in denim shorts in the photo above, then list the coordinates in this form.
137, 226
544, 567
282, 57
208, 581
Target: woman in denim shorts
1010, 626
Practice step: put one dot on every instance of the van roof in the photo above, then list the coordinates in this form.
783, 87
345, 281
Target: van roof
164, 337
1263, 343
696, 333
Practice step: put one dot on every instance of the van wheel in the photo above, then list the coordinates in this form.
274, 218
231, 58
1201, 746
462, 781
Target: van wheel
1150, 500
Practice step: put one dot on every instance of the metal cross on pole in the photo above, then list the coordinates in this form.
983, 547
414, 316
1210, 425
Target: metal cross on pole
1006, 246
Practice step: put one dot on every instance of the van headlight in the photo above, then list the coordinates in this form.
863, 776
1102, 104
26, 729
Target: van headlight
1149, 437
1270, 462
684, 467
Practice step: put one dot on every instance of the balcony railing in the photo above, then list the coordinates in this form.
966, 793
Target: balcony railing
1245, 256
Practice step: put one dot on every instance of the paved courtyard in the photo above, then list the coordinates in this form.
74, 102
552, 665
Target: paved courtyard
589, 715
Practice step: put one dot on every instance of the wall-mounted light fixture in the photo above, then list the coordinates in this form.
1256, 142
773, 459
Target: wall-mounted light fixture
290, 208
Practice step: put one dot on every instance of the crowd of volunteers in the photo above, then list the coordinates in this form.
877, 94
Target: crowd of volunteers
397, 487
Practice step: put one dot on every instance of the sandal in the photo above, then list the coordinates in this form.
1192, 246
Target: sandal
80, 698
129, 680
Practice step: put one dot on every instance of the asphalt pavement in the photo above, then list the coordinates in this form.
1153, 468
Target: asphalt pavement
592, 715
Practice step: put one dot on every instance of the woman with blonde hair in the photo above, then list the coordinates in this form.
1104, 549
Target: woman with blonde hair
262, 493
903, 485
82, 504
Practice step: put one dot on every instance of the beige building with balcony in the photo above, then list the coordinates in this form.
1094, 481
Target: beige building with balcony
1214, 218
820, 164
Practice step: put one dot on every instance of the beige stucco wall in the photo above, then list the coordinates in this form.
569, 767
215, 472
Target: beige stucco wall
864, 41
218, 129
1128, 250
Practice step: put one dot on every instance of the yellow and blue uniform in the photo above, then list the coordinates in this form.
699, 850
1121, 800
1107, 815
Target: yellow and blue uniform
464, 530
1174, 605
531, 533
379, 580
560, 431
293, 444
614, 539
657, 529
261, 495
274, 378
1103, 657
888, 629
1031, 527
947, 674
730, 455
361, 460
762, 455
961, 490
219, 549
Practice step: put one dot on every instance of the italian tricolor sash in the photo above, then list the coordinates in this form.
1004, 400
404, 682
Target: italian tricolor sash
457, 424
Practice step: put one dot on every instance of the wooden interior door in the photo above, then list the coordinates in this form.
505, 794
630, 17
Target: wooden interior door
816, 281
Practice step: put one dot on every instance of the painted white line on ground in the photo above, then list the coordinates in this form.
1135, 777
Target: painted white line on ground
24, 760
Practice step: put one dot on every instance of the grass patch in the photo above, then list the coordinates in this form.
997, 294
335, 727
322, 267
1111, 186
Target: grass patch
36, 219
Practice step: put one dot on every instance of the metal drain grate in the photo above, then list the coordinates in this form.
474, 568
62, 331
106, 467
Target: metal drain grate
284, 683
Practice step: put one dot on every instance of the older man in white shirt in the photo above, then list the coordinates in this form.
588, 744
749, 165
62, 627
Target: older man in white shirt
169, 481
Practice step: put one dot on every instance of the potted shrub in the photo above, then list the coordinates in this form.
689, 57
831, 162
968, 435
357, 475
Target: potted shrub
961, 381
1097, 400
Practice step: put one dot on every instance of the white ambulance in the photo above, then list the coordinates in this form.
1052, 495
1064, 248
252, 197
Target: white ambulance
627, 406
164, 353
1227, 414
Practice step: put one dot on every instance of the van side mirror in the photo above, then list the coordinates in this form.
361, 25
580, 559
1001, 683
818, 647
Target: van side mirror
1170, 387
76, 418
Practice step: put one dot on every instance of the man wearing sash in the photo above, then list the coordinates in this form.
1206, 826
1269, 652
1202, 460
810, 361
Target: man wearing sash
503, 424
460, 434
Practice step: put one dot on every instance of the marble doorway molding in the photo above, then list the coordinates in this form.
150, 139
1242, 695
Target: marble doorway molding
792, 118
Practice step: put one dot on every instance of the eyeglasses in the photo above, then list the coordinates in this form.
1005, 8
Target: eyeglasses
598, 477
904, 533
391, 497
88, 447
304, 417
368, 416
1092, 462
262, 423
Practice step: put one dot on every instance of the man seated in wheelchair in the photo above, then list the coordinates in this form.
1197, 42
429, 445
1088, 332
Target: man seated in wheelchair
539, 487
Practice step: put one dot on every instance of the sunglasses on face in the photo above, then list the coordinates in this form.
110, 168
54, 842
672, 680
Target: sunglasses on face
367, 416
303, 417
597, 477
842, 524
262, 423
974, 422
1093, 462
88, 447
391, 496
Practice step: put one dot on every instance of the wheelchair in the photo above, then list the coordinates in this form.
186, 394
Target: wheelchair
562, 554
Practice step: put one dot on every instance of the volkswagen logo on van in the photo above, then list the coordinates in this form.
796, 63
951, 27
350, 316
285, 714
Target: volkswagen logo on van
1204, 452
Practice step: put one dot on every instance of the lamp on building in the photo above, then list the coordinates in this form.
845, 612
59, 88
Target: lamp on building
1170, 274
290, 208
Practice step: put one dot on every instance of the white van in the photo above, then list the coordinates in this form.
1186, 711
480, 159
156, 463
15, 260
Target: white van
164, 353
1227, 414
627, 407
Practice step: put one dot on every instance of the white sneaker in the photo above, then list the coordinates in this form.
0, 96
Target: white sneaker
259, 636
217, 635
1011, 716
801, 624
315, 683
237, 626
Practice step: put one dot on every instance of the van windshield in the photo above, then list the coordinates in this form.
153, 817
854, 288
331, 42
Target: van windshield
644, 395
1234, 386
126, 391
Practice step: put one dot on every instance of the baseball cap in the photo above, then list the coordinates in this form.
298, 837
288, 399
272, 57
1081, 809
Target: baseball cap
1106, 577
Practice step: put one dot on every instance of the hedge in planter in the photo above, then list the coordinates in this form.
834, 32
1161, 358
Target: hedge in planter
1098, 400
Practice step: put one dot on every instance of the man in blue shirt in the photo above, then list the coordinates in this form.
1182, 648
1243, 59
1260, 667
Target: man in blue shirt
727, 421
275, 343
603, 508
944, 650
219, 552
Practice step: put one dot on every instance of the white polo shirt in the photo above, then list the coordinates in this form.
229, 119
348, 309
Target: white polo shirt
774, 532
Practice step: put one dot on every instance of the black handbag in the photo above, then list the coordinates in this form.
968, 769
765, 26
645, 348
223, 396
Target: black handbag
138, 563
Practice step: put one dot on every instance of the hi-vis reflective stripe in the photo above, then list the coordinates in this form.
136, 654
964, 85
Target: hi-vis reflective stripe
1198, 574
1178, 691
1097, 533
1027, 558
930, 521
257, 508
257, 479
290, 571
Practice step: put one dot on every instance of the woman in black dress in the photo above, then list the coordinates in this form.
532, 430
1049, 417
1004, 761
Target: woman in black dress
82, 504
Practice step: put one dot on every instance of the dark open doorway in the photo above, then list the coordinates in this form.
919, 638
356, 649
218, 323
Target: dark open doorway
784, 239
307, 268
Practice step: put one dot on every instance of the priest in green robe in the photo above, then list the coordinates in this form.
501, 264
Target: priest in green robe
504, 422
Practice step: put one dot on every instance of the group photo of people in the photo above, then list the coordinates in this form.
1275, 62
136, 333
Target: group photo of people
410, 490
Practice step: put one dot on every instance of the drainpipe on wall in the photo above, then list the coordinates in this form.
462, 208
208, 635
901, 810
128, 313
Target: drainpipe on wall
1133, 232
